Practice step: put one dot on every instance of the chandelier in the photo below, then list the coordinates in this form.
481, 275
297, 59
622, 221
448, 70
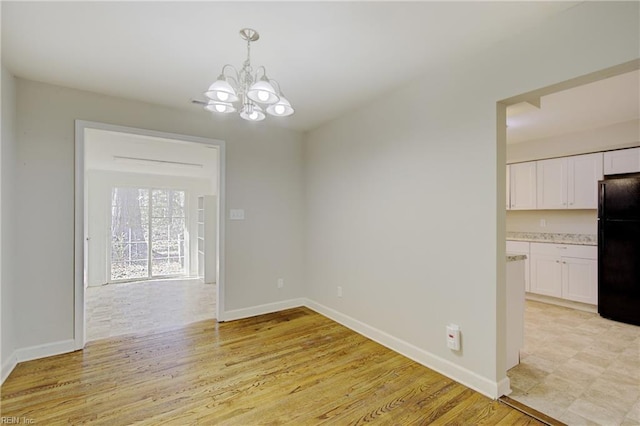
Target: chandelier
252, 93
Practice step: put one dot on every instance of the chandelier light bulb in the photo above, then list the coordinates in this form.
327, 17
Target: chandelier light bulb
221, 91
282, 108
262, 91
252, 112
220, 107
263, 95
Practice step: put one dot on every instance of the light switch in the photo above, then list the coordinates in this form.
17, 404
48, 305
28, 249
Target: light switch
236, 214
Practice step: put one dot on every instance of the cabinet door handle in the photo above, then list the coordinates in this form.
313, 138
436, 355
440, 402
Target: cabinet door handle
561, 248
557, 261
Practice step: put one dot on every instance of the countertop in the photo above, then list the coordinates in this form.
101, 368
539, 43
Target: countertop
539, 237
515, 257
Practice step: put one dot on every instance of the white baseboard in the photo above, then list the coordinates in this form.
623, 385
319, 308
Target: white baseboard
8, 366
35, 352
504, 387
562, 302
462, 375
261, 309
48, 349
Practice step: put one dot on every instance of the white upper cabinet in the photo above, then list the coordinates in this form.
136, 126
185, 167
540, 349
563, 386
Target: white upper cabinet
552, 183
569, 182
522, 186
622, 161
584, 172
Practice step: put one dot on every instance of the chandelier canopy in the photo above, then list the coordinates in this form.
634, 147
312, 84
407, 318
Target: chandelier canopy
251, 93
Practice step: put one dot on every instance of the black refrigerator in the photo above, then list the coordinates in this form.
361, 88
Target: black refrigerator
619, 248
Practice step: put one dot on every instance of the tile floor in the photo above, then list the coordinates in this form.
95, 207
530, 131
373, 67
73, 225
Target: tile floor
116, 309
578, 368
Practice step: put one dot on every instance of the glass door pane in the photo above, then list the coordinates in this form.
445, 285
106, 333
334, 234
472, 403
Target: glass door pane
167, 232
129, 233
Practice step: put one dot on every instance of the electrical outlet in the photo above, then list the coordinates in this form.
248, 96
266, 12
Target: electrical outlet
339, 291
543, 223
280, 283
453, 337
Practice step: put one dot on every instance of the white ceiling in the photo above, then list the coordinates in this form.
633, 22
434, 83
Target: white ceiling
599, 104
329, 57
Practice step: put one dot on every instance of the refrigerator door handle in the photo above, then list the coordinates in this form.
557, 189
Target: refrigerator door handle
601, 199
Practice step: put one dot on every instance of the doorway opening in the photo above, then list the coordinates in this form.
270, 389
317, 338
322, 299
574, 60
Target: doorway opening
139, 236
569, 355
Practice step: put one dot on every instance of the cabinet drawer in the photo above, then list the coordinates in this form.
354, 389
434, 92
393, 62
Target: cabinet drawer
566, 250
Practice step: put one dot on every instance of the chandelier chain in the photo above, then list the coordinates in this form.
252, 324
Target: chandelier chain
248, 61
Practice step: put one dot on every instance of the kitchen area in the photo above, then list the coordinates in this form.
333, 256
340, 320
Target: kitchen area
573, 250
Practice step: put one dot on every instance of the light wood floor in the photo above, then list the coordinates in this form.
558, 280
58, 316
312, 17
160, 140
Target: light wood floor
293, 367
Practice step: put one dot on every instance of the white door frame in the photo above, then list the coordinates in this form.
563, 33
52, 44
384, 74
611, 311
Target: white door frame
79, 334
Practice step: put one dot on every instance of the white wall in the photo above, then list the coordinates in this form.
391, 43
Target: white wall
8, 277
620, 135
99, 196
556, 221
264, 176
405, 196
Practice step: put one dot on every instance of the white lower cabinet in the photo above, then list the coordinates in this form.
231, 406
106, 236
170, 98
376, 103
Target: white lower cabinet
580, 280
565, 271
546, 275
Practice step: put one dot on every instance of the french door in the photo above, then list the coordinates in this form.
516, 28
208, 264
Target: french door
147, 233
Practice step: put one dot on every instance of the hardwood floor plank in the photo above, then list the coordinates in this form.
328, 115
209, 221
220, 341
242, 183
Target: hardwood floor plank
291, 367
